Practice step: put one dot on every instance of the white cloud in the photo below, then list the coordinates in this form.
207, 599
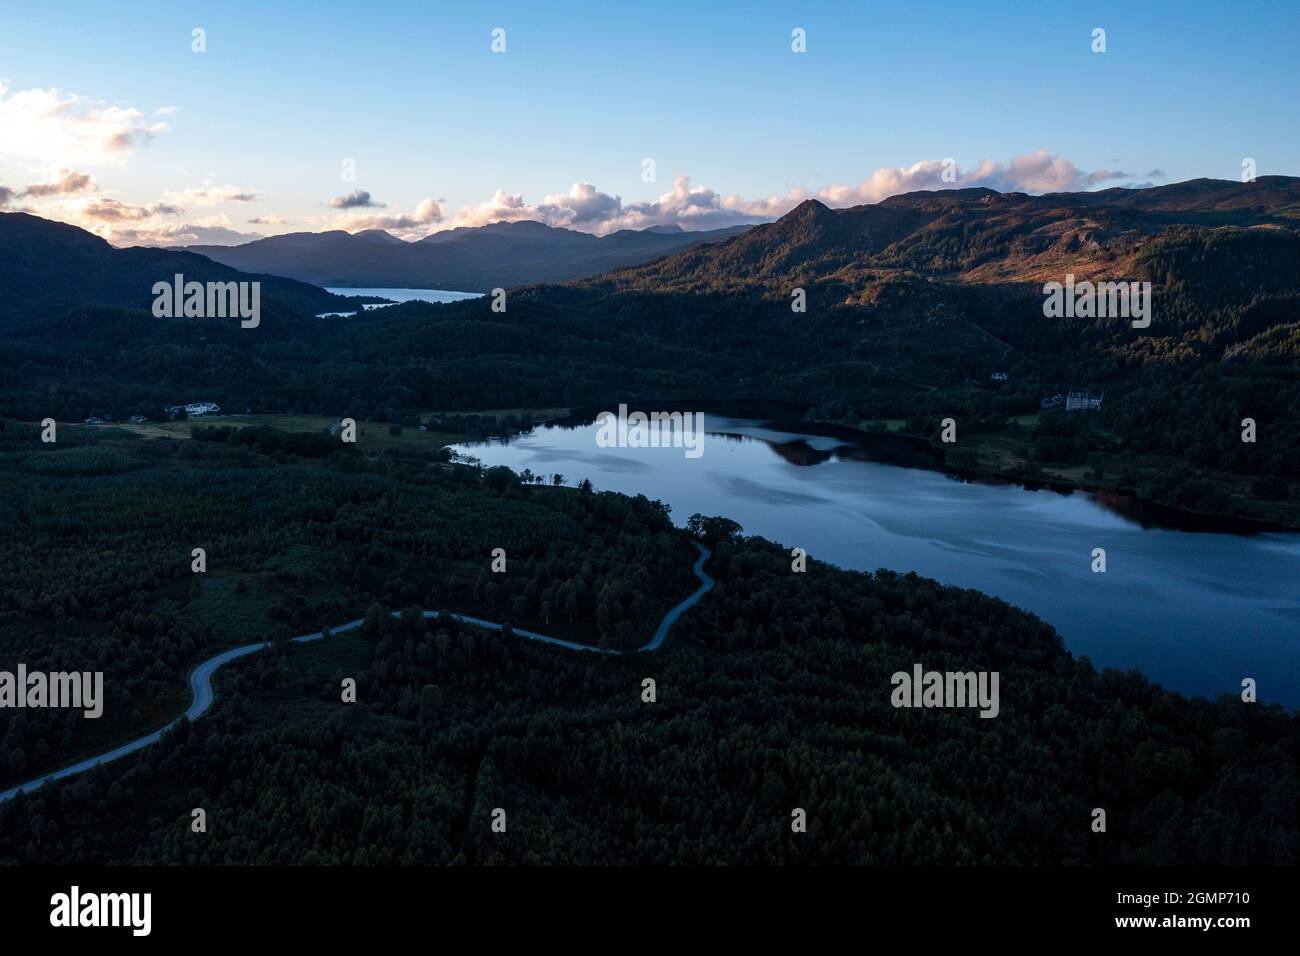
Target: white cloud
207, 196
65, 128
149, 231
583, 205
501, 207
67, 182
73, 196
108, 210
586, 208
357, 199
405, 225
698, 207
1037, 172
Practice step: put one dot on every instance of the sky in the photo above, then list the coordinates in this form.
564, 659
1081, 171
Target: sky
601, 116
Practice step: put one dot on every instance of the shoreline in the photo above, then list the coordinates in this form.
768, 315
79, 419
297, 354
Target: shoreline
913, 451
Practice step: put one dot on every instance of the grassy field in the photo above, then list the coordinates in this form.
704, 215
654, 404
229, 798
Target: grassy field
375, 435
893, 424
233, 615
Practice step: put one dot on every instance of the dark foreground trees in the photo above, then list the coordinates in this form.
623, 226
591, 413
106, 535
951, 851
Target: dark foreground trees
772, 694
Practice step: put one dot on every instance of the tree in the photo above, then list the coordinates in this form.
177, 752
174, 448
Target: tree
430, 703
373, 626
499, 478
713, 530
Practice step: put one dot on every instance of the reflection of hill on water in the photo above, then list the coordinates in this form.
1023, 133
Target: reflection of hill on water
799, 452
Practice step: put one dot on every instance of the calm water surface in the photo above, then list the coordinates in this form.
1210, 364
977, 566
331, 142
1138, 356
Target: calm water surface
401, 295
1194, 611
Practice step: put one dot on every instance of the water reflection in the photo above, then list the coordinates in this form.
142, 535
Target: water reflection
1195, 610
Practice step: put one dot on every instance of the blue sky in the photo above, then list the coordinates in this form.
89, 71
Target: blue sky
445, 132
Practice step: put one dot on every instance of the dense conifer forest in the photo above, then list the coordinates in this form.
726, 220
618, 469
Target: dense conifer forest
772, 694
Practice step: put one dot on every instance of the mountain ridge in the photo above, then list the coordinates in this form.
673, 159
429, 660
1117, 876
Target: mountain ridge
463, 259
968, 237
49, 265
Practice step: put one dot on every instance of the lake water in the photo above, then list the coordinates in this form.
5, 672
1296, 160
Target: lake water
1195, 611
402, 295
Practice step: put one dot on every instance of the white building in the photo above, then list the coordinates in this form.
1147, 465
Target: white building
1083, 401
194, 408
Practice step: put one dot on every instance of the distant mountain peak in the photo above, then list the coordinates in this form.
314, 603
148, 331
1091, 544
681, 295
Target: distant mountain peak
520, 226
463, 258
971, 236
376, 235
809, 209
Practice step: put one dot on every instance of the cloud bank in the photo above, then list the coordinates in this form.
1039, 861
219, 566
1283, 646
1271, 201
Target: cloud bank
75, 197
586, 208
410, 225
56, 127
67, 124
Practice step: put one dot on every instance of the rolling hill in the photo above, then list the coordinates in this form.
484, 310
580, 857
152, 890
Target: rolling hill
478, 259
974, 237
46, 266
922, 307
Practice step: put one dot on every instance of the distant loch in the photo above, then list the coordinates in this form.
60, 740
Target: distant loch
399, 296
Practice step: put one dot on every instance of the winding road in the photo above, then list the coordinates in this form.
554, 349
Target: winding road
201, 676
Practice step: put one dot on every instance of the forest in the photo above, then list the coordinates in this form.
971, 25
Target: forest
895, 346
299, 532
772, 694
